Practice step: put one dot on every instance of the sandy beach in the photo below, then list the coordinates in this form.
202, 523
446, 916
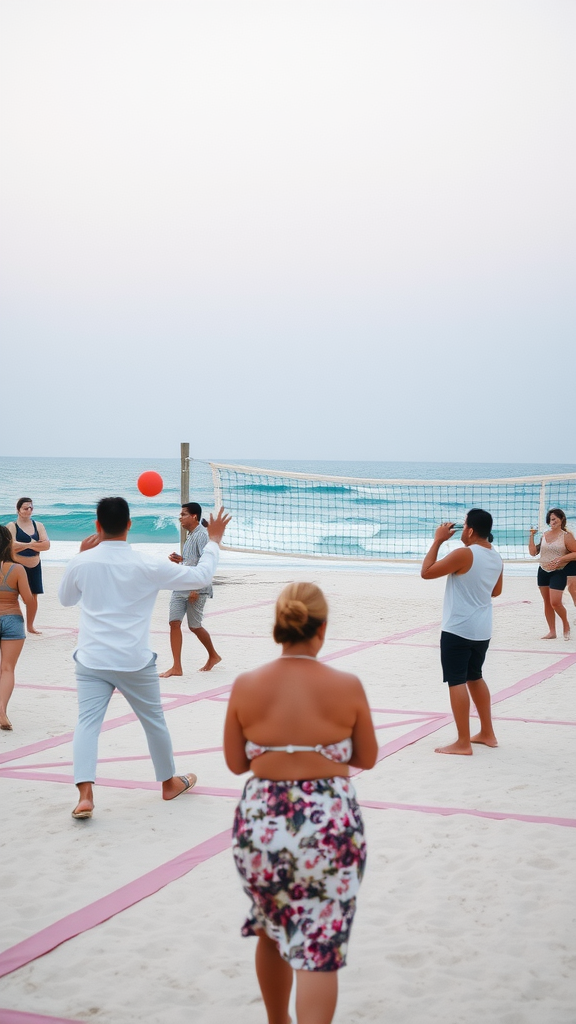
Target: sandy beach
466, 913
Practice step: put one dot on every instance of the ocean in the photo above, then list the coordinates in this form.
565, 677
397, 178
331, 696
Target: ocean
65, 492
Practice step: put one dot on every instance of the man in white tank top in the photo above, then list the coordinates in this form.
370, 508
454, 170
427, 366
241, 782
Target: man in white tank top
474, 577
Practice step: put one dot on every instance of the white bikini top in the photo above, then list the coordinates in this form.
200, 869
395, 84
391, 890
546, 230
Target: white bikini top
340, 752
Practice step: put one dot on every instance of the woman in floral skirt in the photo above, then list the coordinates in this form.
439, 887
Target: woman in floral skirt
298, 832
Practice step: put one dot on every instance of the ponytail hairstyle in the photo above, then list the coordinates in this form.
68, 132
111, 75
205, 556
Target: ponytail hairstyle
300, 611
5, 545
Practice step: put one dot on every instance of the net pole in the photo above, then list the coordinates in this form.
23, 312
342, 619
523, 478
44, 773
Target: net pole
184, 483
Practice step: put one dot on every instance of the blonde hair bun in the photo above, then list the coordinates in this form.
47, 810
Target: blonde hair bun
292, 614
300, 609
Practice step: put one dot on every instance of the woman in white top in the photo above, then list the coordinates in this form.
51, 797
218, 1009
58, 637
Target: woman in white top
557, 550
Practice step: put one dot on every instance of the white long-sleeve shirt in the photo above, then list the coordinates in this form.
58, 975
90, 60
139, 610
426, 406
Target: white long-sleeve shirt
117, 589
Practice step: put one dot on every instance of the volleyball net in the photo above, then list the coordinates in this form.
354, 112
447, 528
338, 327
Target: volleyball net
286, 513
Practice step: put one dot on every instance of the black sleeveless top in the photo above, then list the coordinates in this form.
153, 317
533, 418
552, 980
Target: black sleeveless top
22, 537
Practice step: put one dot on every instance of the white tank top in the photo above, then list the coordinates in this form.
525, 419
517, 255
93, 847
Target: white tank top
468, 598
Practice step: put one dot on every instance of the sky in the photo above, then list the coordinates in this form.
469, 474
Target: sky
289, 229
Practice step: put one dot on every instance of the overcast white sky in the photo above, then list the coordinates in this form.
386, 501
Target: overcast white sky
310, 230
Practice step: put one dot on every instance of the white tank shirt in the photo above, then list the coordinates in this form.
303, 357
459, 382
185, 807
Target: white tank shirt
468, 598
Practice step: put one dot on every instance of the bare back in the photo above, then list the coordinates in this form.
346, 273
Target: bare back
298, 701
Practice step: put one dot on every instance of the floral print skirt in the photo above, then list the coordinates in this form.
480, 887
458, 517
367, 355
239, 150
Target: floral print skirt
300, 849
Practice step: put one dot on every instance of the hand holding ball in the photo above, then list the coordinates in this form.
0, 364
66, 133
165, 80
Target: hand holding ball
150, 483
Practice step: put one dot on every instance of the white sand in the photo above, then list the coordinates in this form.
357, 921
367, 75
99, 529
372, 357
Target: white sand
462, 919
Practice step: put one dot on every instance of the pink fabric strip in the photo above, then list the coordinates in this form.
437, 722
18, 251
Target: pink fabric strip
365, 645
102, 909
147, 784
18, 1017
115, 723
242, 608
116, 760
395, 711
510, 691
538, 677
41, 686
530, 721
398, 725
497, 815
413, 736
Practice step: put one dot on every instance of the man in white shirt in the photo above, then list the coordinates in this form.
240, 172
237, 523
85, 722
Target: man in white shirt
117, 590
474, 577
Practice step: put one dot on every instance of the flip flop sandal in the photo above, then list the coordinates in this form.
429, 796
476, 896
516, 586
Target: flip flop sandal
189, 783
82, 814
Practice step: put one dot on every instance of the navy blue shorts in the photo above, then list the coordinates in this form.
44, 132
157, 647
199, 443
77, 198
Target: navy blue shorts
556, 579
462, 659
34, 575
570, 569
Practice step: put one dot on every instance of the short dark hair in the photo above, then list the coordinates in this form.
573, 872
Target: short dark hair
481, 522
23, 501
559, 515
113, 514
193, 508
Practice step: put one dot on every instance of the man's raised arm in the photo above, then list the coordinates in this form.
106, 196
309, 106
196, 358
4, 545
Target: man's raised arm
457, 561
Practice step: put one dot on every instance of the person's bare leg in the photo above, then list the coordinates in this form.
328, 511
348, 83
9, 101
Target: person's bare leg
481, 696
176, 648
85, 803
460, 704
206, 640
275, 980
549, 613
31, 615
9, 654
559, 609
316, 996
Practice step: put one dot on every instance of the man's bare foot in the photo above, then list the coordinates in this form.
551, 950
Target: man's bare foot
5, 723
174, 671
488, 741
549, 636
213, 660
455, 748
37, 632
177, 785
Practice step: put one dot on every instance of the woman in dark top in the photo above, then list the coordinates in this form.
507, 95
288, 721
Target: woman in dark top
13, 584
29, 539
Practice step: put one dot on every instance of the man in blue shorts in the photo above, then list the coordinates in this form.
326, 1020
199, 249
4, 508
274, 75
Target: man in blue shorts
190, 603
474, 577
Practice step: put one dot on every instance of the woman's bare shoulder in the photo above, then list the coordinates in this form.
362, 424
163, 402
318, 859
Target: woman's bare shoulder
254, 676
346, 680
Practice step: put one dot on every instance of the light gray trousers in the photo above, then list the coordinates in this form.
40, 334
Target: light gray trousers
142, 691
